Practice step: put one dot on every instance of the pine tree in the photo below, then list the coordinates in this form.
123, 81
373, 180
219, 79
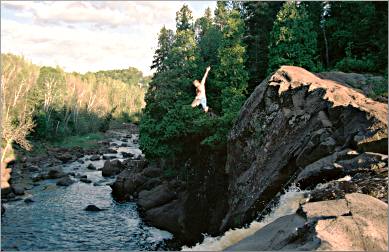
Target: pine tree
293, 40
230, 74
168, 115
165, 42
184, 19
357, 36
259, 17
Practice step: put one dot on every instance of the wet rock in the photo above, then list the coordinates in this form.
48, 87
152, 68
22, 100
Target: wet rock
5, 191
78, 175
114, 144
29, 200
168, 217
126, 154
152, 172
357, 222
18, 189
111, 151
93, 208
33, 168
271, 237
103, 142
80, 161
150, 184
111, 168
155, 197
65, 181
127, 184
65, 157
135, 141
136, 165
55, 173
91, 167
85, 180
37, 177
124, 145
2, 209
108, 157
95, 157
11, 195
28, 187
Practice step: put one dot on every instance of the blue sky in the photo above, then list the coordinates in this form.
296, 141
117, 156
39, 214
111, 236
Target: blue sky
89, 36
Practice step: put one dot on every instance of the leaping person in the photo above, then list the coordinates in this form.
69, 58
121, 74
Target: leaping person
200, 92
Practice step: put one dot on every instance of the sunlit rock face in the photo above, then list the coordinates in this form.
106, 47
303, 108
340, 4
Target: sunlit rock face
293, 122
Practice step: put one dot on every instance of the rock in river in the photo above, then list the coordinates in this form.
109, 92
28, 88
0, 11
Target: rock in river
65, 181
85, 180
91, 167
112, 168
18, 189
95, 157
92, 208
55, 173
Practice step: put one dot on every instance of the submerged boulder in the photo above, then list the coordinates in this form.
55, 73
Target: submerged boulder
55, 173
93, 208
65, 181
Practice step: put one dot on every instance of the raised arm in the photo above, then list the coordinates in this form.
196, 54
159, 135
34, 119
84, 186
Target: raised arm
205, 75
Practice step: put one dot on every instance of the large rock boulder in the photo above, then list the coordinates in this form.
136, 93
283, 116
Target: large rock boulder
55, 173
127, 184
358, 222
65, 157
112, 168
293, 122
65, 181
170, 217
366, 83
155, 197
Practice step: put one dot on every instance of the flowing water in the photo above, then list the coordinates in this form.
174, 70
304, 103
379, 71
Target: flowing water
288, 204
57, 221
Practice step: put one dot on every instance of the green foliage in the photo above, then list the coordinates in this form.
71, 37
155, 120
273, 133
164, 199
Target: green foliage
184, 19
83, 141
259, 17
293, 40
53, 104
165, 42
350, 63
357, 35
131, 76
170, 128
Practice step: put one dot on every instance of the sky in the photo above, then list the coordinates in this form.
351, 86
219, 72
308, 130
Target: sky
87, 36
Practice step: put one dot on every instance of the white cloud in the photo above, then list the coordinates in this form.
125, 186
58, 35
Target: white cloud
88, 36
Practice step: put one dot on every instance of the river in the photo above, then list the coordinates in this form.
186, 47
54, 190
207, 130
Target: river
56, 220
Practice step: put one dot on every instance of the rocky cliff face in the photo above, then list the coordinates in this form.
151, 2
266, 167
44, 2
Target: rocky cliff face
296, 127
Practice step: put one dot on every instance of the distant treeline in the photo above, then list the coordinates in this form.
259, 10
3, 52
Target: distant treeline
46, 103
244, 42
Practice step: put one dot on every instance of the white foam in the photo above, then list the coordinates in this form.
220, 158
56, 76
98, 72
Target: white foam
158, 235
288, 204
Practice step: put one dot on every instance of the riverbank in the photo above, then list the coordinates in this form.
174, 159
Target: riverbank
45, 207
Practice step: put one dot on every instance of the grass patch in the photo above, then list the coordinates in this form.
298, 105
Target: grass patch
83, 141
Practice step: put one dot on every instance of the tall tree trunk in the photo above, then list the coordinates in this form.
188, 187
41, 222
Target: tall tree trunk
326, 46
